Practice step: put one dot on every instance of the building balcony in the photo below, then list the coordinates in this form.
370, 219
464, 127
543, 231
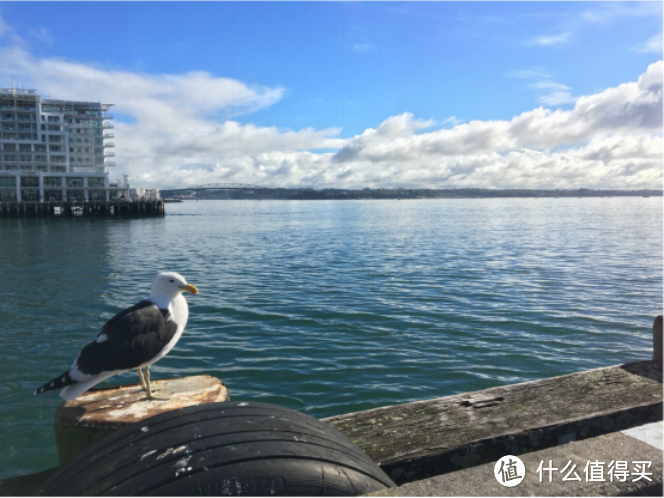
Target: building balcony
14, 91
109, 163
108, 125
109, 154
107, 116
108, 135
109, 144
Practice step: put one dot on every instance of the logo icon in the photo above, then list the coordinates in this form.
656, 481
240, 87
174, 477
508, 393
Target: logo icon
509, 471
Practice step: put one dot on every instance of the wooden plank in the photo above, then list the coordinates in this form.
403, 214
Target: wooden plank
426, 438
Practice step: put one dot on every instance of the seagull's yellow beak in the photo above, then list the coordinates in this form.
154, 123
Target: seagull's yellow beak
189, 288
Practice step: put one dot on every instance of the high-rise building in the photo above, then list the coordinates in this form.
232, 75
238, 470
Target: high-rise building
55, 150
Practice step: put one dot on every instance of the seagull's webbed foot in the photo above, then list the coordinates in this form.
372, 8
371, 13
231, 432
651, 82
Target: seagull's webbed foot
148, 388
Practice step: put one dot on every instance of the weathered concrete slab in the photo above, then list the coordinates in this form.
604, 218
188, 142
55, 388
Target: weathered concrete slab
481, 481
98, 413
429, 438
651, 434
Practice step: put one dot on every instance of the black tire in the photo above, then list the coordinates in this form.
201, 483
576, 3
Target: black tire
231, 448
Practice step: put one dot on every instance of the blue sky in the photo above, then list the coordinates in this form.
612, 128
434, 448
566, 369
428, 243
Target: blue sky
301, 89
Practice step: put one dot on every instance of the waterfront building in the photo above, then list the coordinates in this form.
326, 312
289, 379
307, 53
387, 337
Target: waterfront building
55, 150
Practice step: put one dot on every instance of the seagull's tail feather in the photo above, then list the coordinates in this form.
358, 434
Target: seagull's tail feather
74, 390
60, 381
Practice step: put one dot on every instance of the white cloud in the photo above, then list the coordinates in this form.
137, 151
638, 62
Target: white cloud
41, 35
625, 119
364, 48
184, 131
654, 44
555, 93
553, 39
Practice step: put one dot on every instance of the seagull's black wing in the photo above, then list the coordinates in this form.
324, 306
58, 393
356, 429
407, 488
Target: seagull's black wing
133, 336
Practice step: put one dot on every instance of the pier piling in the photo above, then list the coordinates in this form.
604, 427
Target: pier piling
33, 209
98, 413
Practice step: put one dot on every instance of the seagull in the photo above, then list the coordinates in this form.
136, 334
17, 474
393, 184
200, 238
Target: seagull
133, 339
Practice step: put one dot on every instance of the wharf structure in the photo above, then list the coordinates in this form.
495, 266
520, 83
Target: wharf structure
55, 150
54, 159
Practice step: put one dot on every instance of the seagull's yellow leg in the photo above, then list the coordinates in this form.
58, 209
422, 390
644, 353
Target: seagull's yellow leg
140, 377
149, 388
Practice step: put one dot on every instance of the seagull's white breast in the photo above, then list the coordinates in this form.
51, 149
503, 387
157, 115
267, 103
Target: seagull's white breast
179, 314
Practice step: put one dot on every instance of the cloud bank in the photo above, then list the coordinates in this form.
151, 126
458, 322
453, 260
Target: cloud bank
182, 130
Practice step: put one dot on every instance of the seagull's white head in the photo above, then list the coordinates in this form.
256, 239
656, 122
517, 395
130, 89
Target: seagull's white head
170, 285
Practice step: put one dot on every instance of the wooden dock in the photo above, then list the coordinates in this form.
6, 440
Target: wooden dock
47, 209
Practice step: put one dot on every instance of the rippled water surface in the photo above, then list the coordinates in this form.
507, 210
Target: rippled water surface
333, 307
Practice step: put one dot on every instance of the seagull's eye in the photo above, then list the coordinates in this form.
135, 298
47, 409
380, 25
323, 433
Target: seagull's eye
171, 281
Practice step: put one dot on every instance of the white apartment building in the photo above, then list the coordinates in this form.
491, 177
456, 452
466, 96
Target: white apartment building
55, 150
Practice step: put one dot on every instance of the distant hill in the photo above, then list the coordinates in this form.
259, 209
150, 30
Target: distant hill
400, 193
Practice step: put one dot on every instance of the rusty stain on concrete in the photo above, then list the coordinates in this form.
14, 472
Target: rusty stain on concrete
117, 407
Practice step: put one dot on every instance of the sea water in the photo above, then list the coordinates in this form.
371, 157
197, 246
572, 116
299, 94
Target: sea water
331, 307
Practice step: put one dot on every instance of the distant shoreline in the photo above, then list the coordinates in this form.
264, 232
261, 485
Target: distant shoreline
398, 194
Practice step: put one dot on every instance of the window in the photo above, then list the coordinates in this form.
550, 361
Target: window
54, 119
97, 195
7, 181
29, 181
52, 181
9, 157
58, 159
7, 194
25, 147
76, 182
95, 182
40, 158
25, 158
40, 148
10, 147
53, 195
